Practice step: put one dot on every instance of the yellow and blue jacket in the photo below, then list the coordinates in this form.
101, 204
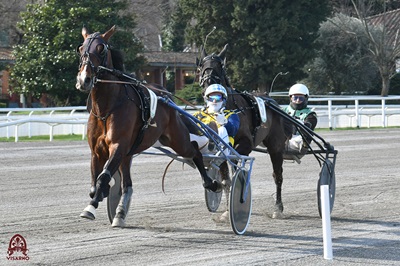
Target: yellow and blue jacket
232, 125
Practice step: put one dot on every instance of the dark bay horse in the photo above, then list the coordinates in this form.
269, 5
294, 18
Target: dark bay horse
123, 121
252, 132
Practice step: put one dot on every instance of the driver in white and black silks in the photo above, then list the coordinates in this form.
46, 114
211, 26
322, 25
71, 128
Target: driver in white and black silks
298, 109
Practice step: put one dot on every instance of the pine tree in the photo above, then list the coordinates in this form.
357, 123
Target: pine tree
265, 37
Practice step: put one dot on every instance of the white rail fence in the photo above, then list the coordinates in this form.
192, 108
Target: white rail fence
17, 122
357, 115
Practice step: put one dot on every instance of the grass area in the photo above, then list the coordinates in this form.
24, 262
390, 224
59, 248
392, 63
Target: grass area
44, 138
79, 137
354, 128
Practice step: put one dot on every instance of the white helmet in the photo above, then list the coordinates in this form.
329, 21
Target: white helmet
215, 88
299, 89
212, 106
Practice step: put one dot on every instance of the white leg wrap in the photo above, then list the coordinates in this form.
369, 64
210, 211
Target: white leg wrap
118, 222
91, 209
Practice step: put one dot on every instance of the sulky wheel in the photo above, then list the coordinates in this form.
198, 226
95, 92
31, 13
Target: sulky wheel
114, 196
327, 177
213, 199
240, 204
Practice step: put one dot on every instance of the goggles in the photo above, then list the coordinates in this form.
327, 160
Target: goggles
298, 98
215, 98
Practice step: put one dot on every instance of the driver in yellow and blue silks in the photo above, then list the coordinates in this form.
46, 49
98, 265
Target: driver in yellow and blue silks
228, 121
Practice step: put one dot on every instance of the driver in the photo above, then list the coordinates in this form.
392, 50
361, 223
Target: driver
298, 109
227, 121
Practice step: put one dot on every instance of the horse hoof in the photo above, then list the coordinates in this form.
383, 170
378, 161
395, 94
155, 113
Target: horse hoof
87, 215
118, 222
89, 212
224, 218
277, 215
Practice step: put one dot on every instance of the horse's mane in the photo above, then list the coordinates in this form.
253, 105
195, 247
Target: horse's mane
117, 59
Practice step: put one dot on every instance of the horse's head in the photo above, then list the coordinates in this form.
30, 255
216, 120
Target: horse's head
94, 52
212, 68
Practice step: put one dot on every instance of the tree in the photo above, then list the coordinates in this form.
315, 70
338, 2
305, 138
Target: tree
346, 6
9, 11
344, 62
384, 47
46, 61
265, 37
173, 32
395, 84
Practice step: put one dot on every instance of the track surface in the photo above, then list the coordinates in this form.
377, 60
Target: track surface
45, 185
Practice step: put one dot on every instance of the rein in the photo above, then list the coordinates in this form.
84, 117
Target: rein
137, 83
144, 104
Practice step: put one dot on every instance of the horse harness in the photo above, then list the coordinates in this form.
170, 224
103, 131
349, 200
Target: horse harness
256, 117
144, 101
128, 81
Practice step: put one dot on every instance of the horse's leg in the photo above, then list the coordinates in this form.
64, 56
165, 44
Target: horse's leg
226, 182
99, 154
102, 187
96, 168
125, 200
277, 161
223, 169
177, 137
208, 182
275, 144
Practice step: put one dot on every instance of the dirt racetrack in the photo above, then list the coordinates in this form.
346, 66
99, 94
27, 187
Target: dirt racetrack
45, 185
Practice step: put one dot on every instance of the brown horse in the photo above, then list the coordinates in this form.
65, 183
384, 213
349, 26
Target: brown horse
123, 122
252, 131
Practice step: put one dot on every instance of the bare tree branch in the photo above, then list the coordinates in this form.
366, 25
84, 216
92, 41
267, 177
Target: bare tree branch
385, 46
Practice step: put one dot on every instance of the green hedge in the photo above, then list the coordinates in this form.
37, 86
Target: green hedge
191, 93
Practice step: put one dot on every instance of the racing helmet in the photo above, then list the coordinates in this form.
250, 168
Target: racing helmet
215, 88
216, 101
299, 89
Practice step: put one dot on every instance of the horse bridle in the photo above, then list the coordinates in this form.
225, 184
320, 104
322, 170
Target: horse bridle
93, 41
207, 73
